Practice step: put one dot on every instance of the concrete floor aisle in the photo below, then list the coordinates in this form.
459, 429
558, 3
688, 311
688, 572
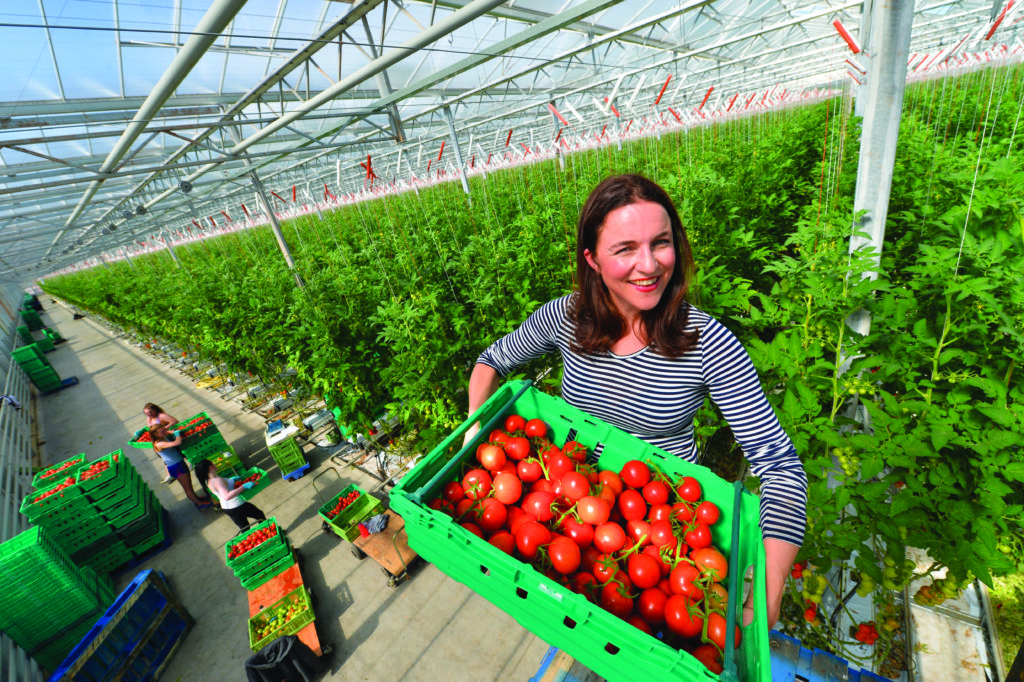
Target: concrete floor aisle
429, 628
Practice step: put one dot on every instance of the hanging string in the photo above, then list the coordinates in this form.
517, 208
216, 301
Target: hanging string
974, 184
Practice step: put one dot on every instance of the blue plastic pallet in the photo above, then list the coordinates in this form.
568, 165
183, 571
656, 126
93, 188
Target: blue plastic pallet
134, 639
298, 473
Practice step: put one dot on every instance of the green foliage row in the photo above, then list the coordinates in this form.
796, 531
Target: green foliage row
402, 294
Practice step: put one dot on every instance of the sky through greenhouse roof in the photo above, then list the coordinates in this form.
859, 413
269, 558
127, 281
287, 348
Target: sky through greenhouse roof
109, 108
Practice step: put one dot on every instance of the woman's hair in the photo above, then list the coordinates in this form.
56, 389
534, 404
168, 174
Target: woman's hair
599, 324
202, 470
153, 406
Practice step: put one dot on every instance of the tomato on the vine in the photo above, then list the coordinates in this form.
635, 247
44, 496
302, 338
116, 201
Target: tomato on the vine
517, 448
476, 484
491, 457
593, 510
575, 451
717, 630
507, 488
706, 512
504, 541
514, 423
609, 537
698, 536
656, 492
651, 605
635, 473
683, 580
683, 617
615, 599
689, 489
643, 571
564, 555
632, 505
530, 538
710, 562
708, 655
529, 470
536, 428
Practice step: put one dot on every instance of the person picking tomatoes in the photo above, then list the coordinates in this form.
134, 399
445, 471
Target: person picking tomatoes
156, 415
166, 445
638, 355
239, 510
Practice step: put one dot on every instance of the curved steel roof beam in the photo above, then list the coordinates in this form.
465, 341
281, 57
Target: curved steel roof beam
214, 22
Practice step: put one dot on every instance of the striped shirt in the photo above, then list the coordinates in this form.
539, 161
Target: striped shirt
655, 398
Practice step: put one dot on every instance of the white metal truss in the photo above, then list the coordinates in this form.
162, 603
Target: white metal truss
108, 107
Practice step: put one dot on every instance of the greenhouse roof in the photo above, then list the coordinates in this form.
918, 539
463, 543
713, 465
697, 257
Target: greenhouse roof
120, 119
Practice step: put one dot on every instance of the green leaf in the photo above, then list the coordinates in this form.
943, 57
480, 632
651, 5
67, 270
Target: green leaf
871, 466
1014, 472
1000, 415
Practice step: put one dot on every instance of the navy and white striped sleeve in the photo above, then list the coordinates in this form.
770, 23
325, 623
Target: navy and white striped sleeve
534, 337
734, 386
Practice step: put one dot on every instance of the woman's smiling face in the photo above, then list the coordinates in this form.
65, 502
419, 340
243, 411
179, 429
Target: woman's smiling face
635, 256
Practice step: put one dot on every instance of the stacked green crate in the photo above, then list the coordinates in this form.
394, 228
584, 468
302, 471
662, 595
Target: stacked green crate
104, 517
48, 603
32, 319
25, 334
39, 370
201, 438
259, 555
288, 455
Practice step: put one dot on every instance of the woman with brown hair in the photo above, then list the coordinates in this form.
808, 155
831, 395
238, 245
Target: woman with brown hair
156, 415
638, 355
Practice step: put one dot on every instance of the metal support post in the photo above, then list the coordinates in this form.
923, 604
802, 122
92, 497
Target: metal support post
891, 26
128, 258
261, 193
458, 150
167, 241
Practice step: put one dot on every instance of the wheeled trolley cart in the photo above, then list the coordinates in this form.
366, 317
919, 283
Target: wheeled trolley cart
273, 590
342, 515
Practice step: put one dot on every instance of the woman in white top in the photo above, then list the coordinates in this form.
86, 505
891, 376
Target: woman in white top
231, 503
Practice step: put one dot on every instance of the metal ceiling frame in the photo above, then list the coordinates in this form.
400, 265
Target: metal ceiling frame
294, 131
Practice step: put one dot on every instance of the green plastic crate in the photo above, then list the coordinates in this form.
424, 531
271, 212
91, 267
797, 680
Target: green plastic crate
35, 367
119, 470
203, 449
69, 467
260, 485
144, 545
256, 552
254, 566
72, 496
227, 462
346, 523
604, 643
269, 572
299, 596
141, 445
45, 344
28, 352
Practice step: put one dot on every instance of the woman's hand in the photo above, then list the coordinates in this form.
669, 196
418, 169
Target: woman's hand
483, 382
779, 556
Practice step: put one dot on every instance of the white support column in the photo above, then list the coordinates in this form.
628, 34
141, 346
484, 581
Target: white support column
261, 194
167, 241
458, 150
891, 26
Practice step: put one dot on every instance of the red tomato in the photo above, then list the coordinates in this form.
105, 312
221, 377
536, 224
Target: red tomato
476, 483
515, 423
650, 605
682, 512
564, 555
507, 488
635, 473
717, 630
605, 568
531, 537
699, 536
509, 468
583, 583
491, 457
683, 580
717, 596
656, 492
608, 495
640, 624
504, 541
689, 489
536, 428
706, 512
612, 480
580, 533
559, 465
498, 437
661, 534
708, 655
472, 528
659, 512
593, 510
615, 599
644, 571
516, 518
436, 504
574, 486
492, 515
652, 552
632, 505
588, 471
465, 505
529, 470
538, 505
710, 562
589, 556
639, 532
609, 537
577, 452
517, 448
683, 617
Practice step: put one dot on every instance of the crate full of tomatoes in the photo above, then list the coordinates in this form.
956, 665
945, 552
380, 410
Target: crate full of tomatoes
58, 472
258, 477
344, 512
263, 541
634, 565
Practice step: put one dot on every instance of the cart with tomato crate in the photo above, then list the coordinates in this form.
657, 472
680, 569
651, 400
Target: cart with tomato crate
343, 515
